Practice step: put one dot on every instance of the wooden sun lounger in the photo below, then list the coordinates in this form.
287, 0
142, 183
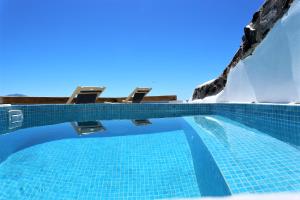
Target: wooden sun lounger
137, 95
85, 95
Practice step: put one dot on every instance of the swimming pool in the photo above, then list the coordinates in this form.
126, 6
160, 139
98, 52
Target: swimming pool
148, 151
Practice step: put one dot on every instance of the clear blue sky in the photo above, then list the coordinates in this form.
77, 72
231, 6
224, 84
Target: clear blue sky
48, 47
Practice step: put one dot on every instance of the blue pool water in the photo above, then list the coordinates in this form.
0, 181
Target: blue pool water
126, 160
156, 158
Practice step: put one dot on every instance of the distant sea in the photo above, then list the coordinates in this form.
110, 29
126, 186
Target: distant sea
16, 95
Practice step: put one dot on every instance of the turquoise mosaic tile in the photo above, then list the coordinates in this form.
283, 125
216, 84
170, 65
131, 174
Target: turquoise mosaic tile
131, 167
241, 148
250, 161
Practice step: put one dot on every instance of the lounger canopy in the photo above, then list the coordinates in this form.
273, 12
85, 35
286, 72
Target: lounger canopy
137, 95
85, 95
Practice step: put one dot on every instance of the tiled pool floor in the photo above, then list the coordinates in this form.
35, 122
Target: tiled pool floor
135, 167
250, 161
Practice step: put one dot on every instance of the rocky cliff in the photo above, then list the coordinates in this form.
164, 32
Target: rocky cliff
254, 33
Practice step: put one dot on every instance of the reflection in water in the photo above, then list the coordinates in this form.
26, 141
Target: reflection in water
213, 126
89, 127
24, 138
141, 122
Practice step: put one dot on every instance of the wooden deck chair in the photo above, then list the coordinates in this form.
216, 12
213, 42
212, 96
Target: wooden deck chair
85, 94
137, 95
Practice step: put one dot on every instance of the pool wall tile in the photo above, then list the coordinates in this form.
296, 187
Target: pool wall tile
282, 121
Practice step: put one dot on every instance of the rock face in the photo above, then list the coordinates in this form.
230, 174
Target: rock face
261, 23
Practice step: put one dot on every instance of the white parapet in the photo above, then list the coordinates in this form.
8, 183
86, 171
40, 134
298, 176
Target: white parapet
5, 105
